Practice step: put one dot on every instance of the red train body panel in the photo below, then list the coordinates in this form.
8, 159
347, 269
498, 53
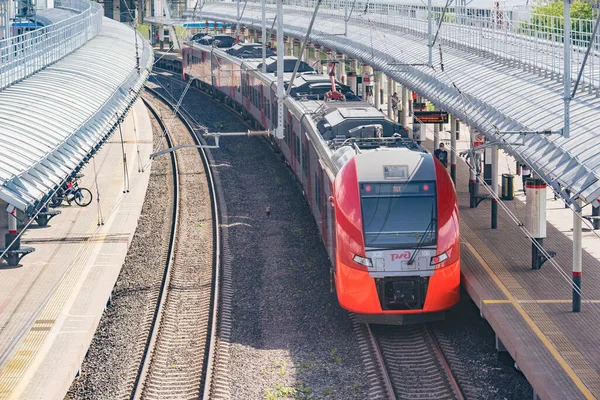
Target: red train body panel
387, 214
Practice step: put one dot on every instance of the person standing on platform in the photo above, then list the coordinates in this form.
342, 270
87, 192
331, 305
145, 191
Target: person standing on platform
442, 155
370, 96
525, 173
395, 102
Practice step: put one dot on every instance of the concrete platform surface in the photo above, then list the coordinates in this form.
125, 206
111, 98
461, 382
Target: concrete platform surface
530, 310
51, 305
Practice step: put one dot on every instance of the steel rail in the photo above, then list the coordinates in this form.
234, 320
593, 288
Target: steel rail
210, 358
158, 313
389, 389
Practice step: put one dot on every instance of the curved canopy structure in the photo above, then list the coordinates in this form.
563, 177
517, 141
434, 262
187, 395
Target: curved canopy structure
54, 121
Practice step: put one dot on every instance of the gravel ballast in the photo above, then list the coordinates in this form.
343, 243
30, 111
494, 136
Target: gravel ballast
111, 364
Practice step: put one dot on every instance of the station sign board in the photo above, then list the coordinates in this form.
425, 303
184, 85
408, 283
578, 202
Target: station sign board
432, 117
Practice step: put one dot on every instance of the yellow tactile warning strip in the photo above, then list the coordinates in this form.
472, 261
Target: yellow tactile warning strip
31, 345
557, 343
34, 339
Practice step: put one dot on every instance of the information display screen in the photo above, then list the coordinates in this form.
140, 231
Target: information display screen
431, 117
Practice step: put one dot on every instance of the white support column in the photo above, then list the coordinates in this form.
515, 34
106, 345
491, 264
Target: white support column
404, 119
366, 80
377, 78
306, 55
577, 252
390, 92
117, 10
495, 187
341, 67
352, 82
453, 148
436, 136
12, 222
161, 36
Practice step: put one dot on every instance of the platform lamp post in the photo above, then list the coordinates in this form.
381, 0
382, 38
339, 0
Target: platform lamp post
577, 268
536, 219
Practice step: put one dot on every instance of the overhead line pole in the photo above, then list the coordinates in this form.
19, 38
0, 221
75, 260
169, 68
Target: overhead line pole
345, 17
264, 38
280, 88
312, 21
577, 234
567, 67
430, 32
237, 27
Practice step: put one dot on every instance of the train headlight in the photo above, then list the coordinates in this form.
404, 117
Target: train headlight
435, 260
362, 261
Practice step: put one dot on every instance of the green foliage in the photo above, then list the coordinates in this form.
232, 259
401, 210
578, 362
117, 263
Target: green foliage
547, 21
579, 9
144, 30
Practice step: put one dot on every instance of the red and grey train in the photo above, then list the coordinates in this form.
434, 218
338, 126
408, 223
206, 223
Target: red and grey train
386, 208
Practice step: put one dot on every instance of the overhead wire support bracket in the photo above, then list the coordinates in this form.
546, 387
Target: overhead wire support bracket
216, 135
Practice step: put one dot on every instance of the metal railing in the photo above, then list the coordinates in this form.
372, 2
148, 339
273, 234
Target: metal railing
23, 55
515, 36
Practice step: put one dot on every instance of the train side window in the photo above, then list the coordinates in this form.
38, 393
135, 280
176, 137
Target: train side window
317, 189
304, 159
296, 146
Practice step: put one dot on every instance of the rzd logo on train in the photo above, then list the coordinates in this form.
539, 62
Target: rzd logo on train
404, 255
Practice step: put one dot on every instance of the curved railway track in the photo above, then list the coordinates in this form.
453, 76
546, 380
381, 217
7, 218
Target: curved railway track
179, 353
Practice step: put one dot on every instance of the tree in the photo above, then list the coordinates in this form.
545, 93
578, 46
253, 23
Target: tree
548, 18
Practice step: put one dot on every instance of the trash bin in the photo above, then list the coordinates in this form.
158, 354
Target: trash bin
508, 192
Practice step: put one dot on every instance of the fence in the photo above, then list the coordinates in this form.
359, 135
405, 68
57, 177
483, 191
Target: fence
23, 55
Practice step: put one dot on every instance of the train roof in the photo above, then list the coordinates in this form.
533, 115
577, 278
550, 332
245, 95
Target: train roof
395, 165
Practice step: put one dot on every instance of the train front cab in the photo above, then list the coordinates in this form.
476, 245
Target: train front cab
374, 279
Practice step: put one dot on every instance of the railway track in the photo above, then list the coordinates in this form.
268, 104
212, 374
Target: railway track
402, 362
412, 364
179, 353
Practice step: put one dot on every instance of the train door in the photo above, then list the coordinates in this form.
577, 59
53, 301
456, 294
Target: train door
263, 106
306, 166
321, 200
290, 141
330, 218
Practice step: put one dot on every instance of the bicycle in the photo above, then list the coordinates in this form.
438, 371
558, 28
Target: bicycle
81, 196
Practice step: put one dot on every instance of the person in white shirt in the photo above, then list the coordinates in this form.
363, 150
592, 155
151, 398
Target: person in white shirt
525, 173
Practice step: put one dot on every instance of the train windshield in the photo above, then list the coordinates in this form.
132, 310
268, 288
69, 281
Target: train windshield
397, 215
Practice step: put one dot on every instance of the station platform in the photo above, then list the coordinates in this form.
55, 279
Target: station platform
52, 303
530, 310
